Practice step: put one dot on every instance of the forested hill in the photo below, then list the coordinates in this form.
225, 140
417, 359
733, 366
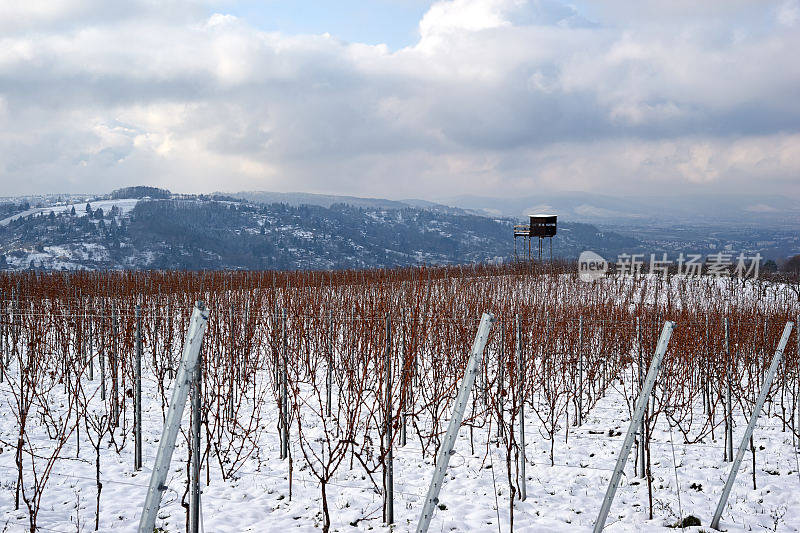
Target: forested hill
206, 233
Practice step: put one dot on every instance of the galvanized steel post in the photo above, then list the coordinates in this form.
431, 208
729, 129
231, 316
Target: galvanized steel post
728, 404
446, 447
284, 401
773, 367
191, 351
580, 370
137, 400
636, 421
523, 492
196, 414
388, 467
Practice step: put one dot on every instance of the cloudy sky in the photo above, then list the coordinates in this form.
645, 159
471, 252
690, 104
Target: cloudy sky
401, 98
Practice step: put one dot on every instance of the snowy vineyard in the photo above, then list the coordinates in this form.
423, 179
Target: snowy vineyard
324, 398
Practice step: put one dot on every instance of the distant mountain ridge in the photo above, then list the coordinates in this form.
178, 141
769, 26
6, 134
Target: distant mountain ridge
766, 211
225, 232
591, 208
147, 228
327, 200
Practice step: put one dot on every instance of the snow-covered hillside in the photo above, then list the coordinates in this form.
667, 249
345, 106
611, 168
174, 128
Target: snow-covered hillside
124, 206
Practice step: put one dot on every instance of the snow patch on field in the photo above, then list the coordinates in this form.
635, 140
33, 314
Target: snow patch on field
564, 497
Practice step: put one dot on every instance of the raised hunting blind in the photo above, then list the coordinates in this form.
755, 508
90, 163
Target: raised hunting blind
540, 226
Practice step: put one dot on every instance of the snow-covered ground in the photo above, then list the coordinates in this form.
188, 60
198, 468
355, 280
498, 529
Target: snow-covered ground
564, 497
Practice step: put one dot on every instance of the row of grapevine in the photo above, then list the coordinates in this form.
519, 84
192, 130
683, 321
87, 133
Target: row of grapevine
366, 353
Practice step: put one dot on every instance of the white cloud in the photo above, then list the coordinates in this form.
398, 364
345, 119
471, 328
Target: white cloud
788, 13
469, 15
497, 96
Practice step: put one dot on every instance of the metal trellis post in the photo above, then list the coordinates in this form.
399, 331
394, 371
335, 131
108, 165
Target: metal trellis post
728, 403
196, 414
580, 370
636, 421
137, 400
102, 358
191, 351
446, 447
388, 472
114, 367
523, 492
90, 350
405, 385
773, 367
283, 389
640, 376
329, 373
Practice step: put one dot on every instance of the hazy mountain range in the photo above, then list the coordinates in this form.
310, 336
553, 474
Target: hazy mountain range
765, 211
144, 227
702, 209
